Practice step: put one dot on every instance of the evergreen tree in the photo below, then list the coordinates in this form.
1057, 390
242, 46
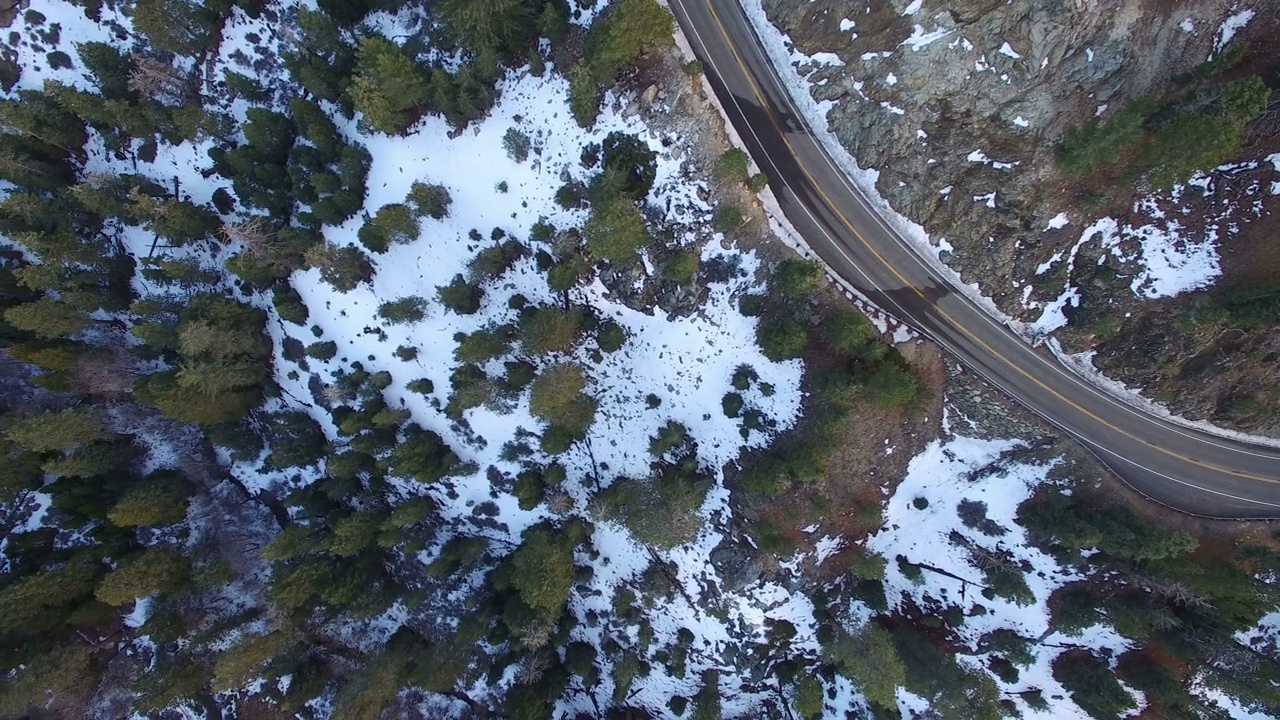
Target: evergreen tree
47, 318
388, 86
66, 672
182, 27
630, 159
546, 330
849, 331
460, 296
869, 659
558, 399
159, 500
483, 345
293, 541
423, 456
488, 25
391, 225
342, 267
46, 594
1092, 685
615, 231
238, 665
39, 117
782, 339
355, 533
429, 200
631, 29
53, 431
541, 571
403, 311
796, 278
154, 570
296, 441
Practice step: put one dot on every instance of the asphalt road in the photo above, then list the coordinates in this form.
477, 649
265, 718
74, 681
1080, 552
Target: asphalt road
1186, 469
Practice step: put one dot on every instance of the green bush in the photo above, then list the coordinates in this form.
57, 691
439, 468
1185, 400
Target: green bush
727, 218
796, 278
628, 30
681, 268
782, 339
403, 311
734, 165
322, 350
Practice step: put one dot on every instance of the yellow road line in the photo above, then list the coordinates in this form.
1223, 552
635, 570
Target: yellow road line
764, 105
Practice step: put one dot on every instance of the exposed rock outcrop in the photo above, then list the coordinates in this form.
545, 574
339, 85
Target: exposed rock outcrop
960, 104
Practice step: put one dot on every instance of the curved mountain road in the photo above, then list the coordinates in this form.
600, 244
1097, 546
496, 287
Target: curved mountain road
1189, 470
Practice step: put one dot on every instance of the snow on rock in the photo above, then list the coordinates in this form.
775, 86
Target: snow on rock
919, 39
1008, 51
1229, 27
1058, 221
778, 48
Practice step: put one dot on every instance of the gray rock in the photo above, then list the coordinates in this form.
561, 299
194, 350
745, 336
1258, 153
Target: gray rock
650, 95
967, 91
738, 564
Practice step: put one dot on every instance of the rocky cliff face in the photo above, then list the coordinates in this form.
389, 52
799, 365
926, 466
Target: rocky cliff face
960, 104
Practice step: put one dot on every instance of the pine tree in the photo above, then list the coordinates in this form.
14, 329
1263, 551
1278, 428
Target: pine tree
293, 541
25, 599
493, 25
797, 278
558, 398
1092, 685
630, 159
632, 29
483, 345
615, 231
392, 225
403, 311
50, 355
40, 118
355, 533
53, 431
423, 456
869, 659
342, 267
182, 27
66, 671
159, 500
238, 665
47, 318
430, 200
387, 86
460, 296
154, 570
541, 571
546, 330
782, 339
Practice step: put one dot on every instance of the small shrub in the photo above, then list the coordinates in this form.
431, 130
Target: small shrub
517, 144
734, 165
732, 404
796, 278
681, 268
322, 350
783, 340
727, 219
403, 311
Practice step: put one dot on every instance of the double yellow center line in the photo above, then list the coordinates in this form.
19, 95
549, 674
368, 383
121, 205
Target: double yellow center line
768, 110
